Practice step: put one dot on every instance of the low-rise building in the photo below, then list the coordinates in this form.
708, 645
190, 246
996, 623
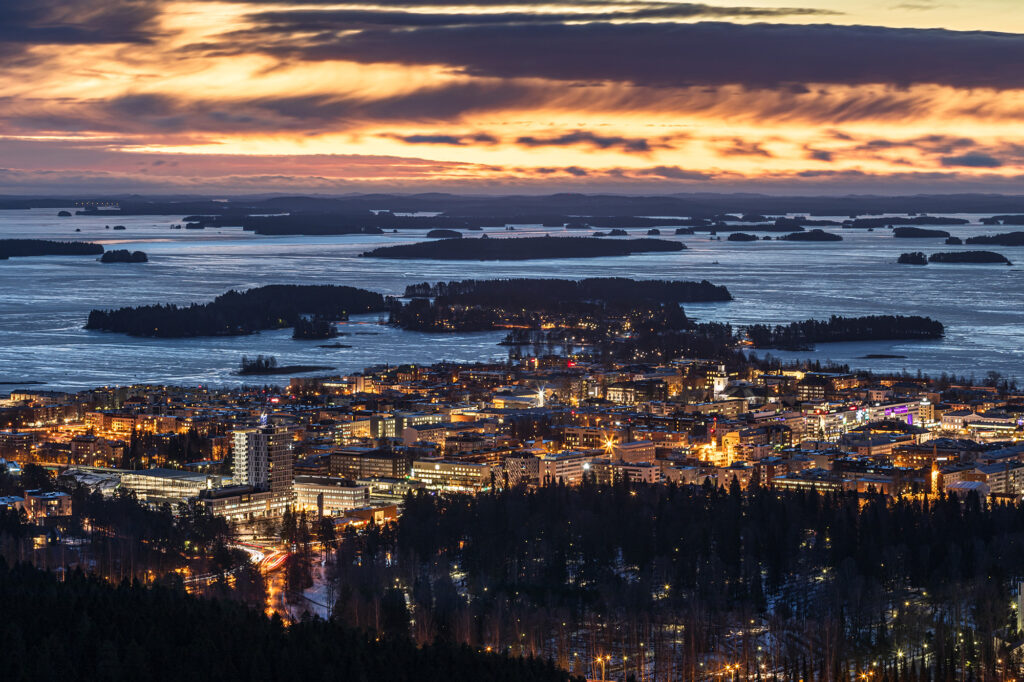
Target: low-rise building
329, 496
40, 505
440, 474
168, 485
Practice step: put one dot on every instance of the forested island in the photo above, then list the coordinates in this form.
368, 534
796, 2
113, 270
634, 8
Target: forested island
815, 235
969, 257
803, 335
18, 248
315, 328
1016, 219
864, 223
523, 248
267, 365
741, 237
534, 293
239, 312
124, 256
914, 258
589, 312
918, 233
1005, 239
82, 628
444, 234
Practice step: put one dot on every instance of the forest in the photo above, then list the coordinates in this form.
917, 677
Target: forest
802, 335
316, 327
83, 628
675, 582
124, 256
537, 293
815, 235
118, 537
918, 233
523, 248
239, 312
586, 311
864, 223
969, 257
913, 258
14, 248
1005, 239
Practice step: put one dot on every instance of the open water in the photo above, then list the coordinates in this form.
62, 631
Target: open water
44, 301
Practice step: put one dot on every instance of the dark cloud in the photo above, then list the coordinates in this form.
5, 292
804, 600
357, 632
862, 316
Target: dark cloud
972, 160
673, 173
931, 144
457, 140
332, 20
582, 137
162, 114
75, 22
684, 54
740, 147
819, 155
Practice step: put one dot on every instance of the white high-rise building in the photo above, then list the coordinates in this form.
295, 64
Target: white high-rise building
263, 458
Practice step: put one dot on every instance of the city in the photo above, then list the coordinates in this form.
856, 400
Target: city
342, 496
511, 341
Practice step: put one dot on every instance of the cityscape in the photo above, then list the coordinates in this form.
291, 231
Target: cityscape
461, 340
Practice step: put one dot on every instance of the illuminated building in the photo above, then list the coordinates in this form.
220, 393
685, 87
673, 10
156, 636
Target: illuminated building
355, 462
439, 474
168, 485
263, 458
41, 505
328, 496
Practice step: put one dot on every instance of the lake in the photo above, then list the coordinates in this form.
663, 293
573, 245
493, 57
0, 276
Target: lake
44, 301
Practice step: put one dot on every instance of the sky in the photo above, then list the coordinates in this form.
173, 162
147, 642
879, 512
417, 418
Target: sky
495, 96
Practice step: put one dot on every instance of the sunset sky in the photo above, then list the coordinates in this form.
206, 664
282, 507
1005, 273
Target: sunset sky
822, 96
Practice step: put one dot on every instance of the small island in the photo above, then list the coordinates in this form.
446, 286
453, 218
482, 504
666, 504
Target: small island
267, 364
863, 223
124, 256
918, 233
815, 235
1005, 239
63, 214
803, 335
523, 248
954, 241
741, 237
969, 257
654, 232
915, 258
315, 328
444, 234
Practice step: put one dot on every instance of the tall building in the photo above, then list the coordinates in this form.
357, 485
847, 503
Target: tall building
263, 458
